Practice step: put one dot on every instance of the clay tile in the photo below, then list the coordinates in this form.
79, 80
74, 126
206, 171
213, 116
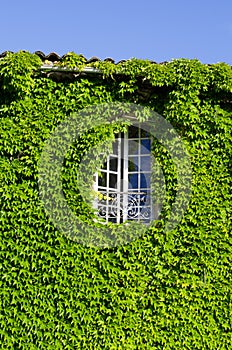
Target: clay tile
93, 59
53, 57
108, 59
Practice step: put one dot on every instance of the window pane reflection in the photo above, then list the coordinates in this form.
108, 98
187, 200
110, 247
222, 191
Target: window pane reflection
145, 163
133, 147
146, 146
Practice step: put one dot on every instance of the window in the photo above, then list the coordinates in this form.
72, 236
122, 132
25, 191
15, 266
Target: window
123, 183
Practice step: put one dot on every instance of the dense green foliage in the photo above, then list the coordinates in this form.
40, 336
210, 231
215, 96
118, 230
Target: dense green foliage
165, 290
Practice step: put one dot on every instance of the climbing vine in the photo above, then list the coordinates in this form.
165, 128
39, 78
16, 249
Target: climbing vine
164, 290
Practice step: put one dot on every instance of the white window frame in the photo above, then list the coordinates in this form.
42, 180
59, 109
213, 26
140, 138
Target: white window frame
115, 204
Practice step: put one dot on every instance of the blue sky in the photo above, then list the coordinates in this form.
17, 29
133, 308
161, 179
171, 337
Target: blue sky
148, 29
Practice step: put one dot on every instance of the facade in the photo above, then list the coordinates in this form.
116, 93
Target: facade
104, 268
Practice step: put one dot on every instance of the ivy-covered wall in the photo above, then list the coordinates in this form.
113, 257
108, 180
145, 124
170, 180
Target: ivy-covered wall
164, 290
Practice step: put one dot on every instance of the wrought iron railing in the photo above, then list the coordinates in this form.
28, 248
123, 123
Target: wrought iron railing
129, 205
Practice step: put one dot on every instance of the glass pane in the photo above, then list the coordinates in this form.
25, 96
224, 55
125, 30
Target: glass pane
113, 164
144, 133
146, 146
113, 180
133, 164
115, 147
102, 179
133, 132
133, 181
144, 180
145, 163
133, 147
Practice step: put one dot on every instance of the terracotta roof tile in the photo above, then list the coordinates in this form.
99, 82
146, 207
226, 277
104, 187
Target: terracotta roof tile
54, 57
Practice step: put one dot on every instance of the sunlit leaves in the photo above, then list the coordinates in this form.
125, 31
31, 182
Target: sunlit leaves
163, 291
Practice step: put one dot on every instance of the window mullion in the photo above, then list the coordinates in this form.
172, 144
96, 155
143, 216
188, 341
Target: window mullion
119, 179
125, 177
